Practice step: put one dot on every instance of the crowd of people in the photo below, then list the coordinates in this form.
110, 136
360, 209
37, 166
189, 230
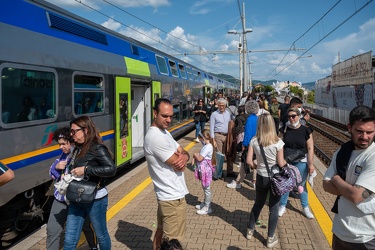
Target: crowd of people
265, 133
259, 133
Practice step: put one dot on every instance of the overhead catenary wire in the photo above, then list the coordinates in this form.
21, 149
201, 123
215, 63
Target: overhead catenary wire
325, 36
307, 50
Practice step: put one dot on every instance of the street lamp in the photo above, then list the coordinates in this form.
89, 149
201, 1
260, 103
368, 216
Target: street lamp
243, 46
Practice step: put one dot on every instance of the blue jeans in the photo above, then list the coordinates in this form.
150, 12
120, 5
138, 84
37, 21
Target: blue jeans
76, 216
303, 169
199, 126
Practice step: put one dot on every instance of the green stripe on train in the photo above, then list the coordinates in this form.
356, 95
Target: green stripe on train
136, 67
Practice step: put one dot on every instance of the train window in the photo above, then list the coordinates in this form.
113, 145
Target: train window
162, 65
210, 77
190, 74
88, 94
195, 74
182, 71
134, 49
173, 67
27, 94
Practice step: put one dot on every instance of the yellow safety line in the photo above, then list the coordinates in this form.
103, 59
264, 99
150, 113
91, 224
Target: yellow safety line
321, 215
127, 198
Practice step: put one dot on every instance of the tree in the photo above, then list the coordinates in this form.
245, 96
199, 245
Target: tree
311, 97
296, 91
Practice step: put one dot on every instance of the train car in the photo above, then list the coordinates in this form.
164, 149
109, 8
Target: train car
56, 66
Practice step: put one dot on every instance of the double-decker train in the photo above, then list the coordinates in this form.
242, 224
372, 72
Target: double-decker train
56, 66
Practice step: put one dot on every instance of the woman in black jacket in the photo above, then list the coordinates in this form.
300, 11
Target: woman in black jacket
200, 118
92, 160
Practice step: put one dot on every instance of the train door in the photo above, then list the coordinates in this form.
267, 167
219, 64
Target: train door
207, 94
138, 121
123, 129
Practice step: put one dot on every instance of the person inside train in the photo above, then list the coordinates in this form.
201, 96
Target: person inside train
351, 176
299, 137
94, 161
59, 209
6, 174
28, 112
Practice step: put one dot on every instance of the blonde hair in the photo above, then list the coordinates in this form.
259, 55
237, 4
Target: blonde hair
205, 134
266, 130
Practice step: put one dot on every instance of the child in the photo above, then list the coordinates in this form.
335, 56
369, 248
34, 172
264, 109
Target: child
205, 160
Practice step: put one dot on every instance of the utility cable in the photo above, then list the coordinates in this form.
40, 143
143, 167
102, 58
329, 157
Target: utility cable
324, 37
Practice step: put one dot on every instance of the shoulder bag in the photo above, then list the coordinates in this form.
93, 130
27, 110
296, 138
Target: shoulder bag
282, 179
82, 191
293, 155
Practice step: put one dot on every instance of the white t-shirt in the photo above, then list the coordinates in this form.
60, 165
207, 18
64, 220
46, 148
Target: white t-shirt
207, 151
352, 224
270, 152
159, 146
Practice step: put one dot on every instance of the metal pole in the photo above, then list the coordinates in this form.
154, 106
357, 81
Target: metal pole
244, 46
250, 83
241, 69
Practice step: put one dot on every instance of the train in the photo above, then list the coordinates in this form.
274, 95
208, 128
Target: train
56, 66
351, 83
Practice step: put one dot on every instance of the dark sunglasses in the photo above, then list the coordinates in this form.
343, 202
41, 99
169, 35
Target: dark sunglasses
292, 116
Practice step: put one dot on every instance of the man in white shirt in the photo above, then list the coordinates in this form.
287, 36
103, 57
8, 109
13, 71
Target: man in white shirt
354, 223
166, 161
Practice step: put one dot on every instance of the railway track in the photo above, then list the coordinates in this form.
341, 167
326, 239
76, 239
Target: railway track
328, 137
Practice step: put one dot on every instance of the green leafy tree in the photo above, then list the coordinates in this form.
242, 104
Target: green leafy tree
296, 91
311, 97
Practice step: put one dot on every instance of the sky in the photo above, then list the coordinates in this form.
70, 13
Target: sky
323, 32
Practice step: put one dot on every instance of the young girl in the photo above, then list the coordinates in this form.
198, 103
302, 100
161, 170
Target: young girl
205, 161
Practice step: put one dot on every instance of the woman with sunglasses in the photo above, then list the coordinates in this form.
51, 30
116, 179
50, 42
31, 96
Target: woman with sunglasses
200, 118
92, 160
298, 136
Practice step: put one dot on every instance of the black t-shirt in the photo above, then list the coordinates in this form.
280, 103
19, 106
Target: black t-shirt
200, 116
296, 138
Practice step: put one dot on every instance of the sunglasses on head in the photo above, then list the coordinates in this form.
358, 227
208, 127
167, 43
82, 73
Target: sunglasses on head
292, 116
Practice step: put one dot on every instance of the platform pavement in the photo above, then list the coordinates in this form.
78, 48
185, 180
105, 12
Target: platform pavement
132, 227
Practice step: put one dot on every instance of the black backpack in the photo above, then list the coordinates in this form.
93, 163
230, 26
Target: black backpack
342, 162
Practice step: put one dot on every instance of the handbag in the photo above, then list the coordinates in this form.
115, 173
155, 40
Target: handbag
282, 180
293, 155
82, 191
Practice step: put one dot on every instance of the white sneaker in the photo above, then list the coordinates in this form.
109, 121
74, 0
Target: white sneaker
308, 213
233, 184
281, 210
204, 210
272, 241
200, 206
196, 140
249, 233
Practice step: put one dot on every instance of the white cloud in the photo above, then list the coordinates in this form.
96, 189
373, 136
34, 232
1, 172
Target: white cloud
111, 24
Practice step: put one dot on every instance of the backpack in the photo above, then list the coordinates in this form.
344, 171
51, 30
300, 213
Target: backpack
342, 162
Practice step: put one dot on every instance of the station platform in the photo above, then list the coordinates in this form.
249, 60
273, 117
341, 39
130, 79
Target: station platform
132, 211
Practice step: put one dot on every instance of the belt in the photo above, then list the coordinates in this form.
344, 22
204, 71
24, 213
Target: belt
221, 133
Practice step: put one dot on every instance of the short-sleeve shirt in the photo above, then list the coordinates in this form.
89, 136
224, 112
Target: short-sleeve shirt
270, 151
159, 146
207, 151
351, 224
